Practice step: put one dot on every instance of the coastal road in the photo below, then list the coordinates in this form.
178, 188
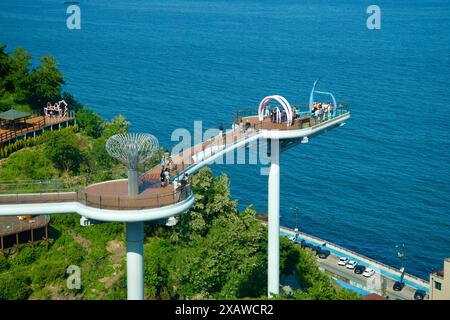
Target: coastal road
330, 264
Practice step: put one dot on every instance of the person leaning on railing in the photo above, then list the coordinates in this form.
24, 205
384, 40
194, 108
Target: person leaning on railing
183, 187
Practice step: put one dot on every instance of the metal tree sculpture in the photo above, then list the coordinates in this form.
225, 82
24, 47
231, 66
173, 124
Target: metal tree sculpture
132, 149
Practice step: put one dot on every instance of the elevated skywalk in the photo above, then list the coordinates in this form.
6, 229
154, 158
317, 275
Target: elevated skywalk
112, 195
143, 198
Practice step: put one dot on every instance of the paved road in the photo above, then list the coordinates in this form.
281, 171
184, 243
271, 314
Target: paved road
331, 265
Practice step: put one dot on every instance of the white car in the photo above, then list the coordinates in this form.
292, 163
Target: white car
368, 272
343, 261
351, 264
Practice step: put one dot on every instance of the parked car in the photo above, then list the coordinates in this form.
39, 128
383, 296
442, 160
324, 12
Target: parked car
323, 254
351, 264
359, 269
419, 294
398, 286
343, 261
368, 272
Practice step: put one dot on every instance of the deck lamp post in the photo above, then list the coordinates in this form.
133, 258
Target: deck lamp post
132, 149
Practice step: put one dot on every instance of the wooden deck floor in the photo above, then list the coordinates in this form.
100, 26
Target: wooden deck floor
29, 125
12, 224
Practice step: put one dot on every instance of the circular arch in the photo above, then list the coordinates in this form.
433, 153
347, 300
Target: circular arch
282, 101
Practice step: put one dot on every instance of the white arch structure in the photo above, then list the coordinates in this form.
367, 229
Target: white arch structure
282, 101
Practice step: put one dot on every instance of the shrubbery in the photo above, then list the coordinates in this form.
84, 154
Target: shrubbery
13, 287
47, 272
4, 264
25, 257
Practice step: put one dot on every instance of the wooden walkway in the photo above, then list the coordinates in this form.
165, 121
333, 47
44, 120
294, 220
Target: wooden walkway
12, 225
15, 233
33, 125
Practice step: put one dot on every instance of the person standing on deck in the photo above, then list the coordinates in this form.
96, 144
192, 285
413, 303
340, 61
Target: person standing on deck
166, 177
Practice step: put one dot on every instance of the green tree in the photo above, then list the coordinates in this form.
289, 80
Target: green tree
5, 64
45, 83
62, 148
4, 264
90, 122
212, 199
27, 165
117, 125
25, 257
13, 287
18, 80
48, 271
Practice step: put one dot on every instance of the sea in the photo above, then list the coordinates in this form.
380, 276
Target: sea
381, 180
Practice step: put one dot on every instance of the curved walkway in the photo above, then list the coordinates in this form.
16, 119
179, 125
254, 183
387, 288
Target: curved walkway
113, 195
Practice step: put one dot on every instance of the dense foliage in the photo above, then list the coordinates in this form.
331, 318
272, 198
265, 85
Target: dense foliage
27, 88
217, 252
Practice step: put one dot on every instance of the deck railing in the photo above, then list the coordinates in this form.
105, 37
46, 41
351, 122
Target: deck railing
236, 133
12, 227
101, 201
35, 126
303, 119
360, 256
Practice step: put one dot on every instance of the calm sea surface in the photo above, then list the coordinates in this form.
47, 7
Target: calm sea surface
381, 180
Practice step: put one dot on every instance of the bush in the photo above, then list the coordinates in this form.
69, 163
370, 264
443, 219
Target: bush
16, 146
25, 257
90, 122
27, 165
61, 147
13, 287
4, 265
74, 253
48, 272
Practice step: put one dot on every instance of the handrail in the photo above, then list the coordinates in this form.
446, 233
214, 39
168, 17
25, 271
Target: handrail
11, 227
242, 132
35, 126
374, 262
101, 201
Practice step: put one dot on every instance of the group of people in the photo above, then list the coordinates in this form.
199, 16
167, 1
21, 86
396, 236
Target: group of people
165, 176
166, 168
322, 111
279, 116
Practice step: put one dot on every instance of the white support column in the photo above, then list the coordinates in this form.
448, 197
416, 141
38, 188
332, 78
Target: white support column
135, 261
273, 283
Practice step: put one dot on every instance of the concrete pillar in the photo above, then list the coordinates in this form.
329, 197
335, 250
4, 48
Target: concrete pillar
133, 183
273, 272
135, 246
135, 260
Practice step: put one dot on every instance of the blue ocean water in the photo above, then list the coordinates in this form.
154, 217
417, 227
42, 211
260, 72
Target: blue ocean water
381, 180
